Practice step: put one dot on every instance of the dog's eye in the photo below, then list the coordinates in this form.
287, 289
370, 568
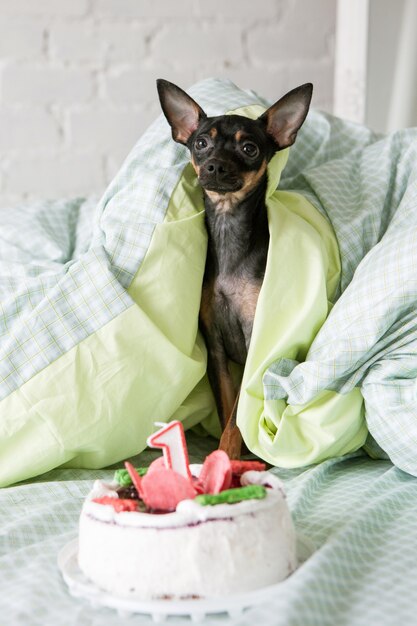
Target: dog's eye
250, 149
201, 143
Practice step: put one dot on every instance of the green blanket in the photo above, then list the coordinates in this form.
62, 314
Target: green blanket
99, 306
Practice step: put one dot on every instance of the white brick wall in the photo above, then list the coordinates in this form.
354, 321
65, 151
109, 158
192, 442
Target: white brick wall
77, 77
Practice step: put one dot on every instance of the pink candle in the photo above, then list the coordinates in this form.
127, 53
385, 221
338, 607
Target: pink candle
171, 439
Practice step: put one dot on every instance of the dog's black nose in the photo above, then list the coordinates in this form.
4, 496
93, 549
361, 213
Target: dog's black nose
216, 168
220, 168
219, 175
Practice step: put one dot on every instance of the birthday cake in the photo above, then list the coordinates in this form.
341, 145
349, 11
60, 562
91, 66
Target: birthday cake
180, 531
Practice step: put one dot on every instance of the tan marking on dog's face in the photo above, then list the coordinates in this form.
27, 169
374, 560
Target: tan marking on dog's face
195, 166
251, 179
239, 136
225, 202
213, 133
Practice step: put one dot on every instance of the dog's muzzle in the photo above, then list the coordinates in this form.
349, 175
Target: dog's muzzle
220, 176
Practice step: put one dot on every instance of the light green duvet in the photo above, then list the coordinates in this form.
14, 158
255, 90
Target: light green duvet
99, 306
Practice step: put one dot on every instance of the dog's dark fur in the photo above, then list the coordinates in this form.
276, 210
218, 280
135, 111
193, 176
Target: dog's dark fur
230, 154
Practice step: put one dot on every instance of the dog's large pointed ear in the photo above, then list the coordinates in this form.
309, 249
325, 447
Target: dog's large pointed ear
182, 112
284, 118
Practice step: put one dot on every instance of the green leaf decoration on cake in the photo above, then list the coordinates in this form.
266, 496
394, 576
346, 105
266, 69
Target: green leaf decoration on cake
121, 476
231, 496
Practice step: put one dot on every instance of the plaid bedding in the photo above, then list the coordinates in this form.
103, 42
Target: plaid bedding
67, 267
367, 186
359, 513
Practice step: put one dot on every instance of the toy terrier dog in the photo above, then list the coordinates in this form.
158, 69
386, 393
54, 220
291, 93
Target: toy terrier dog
230, 154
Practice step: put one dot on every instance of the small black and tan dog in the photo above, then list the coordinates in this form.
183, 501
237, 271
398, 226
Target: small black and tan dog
230, 154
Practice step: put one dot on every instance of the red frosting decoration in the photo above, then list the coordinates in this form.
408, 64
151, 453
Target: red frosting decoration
216, 473
136, 479
119, 504
163, 489
158, 464
239, 467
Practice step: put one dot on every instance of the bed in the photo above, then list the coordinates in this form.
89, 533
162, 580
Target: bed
359, 513
99, 323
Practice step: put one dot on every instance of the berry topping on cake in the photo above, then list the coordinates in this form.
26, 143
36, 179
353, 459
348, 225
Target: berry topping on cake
216, 473
164, 489
168, 480
128, 493
118, 504
239, 467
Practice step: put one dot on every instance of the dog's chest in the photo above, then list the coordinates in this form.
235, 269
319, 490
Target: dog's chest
229, 304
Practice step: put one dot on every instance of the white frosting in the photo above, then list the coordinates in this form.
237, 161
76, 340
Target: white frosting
101, 489
187, 512
266, 479
196, 550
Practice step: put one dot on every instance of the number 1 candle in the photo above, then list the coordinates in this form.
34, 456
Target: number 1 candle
171, 439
